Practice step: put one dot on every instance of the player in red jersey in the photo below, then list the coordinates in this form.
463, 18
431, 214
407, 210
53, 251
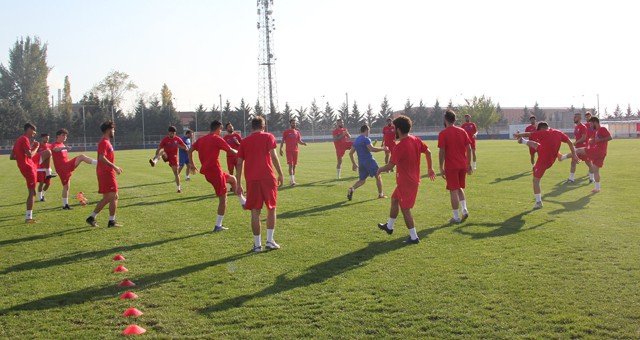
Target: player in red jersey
389, 140
580, 133
596, 150
171, 143
292, 138
233, 139
23, 152
455, 163
547, 143
531, 128
472, 131
64, 166
106, 172
342, 142
44, 164
406, 157
257, 155
208, 148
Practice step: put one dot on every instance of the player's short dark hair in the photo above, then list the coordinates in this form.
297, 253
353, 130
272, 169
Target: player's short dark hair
534, 117
364, 128
542, 124
257, 123
215, 125
106, 126
339, 119
29, 126
227, 125
403, 124
467, 115
588, 113
388, 119
62, 132
292, 120
172, 129
46, 134
594, 119
450, 116
187, 132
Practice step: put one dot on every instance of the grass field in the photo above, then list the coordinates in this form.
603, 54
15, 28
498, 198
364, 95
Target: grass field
568, 270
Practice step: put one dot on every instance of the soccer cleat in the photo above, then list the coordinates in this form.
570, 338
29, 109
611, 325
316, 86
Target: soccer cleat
465, 214
66, 207
114, 224
91, 221
257, 249
520, 139
350, 194
412, 240
272, 245
179, 191
538, 205
43, 199
50, 176
293, 184
383, 226
219, 228
30, 221
455, 220
152, 163
382, 196
595, 191
474, 167
569, 181
187, 178
590, 181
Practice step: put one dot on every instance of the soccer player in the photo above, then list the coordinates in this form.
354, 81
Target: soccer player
547, 144
596, 150
406, 157
368, 165
171, 143
341, 141
44, 181
257, 154
292, 138
580, 133
472, 131
183, 155
233, 139
388, 139
64, 166
455, 163
532, 127
106, 172
208, 148
23, 152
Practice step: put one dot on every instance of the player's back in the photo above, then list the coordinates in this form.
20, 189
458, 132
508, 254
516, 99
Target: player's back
208, 148
550, 141
455, 140
406, 157
255, 150
361, 144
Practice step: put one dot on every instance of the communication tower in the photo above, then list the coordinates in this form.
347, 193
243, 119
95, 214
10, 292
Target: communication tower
267, 89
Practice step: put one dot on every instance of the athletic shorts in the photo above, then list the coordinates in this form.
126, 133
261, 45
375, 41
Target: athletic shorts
107, 182
65, 170
341, 149
172, 160
292, 157
596, 157
218, 181
391, 147
406, 196
473, 143
42, 177
261, 192
184, 160
455, 178
231, 163
30, 175
367, 169
540, 167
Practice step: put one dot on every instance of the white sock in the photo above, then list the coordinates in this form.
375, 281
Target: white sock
112, 217
338, 173
463, 205
187, 177
538, 197
572, 176
525, 141
41, 194
597, 185
391, 222
155, 159
270, 235
219, 220
29, 214
65, 201
48, 172
592, 176
413, 233
456, 214
256, 240
178, 187
291, 177
94, 162
94, 214
242, 200
474, 165
563, 157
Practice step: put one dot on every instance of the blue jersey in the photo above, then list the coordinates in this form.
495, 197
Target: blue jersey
361, 145
187, 142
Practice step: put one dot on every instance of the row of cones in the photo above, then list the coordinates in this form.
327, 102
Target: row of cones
132, 329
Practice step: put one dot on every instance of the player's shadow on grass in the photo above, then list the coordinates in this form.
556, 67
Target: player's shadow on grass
509, 226
572, 205
111, 291
81, 256
181, 199
11, 205
324, 183
511, 178
145, 185
45, 236
561, 188
318, 209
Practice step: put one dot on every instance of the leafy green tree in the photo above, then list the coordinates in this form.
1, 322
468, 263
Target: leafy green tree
328, 117
370, 116
525, 115
245, 112
503, 120
408, 109
355, 119
258, 109
385, 112
315, 116
420, 115
436, 116
629, 112
115, 85
202, 118
537, 111
226, 114
617, 113
482, 110
166, 95
66, 106
303, 117
12, 118
343, 112
287, 114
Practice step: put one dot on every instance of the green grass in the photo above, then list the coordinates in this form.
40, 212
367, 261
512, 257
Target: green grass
568, 270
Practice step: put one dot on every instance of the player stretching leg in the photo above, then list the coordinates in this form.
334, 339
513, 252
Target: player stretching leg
368, 165
233, 139
170, 144
292, 138
44, 165
342, 143
23, 152
597, 150
389, 139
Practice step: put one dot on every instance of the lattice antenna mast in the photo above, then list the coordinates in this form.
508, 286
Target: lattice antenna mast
268, 93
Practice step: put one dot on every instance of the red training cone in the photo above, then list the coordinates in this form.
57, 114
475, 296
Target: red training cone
134, 330
118, 258
126, 283
132, 312
128, 295
120, 269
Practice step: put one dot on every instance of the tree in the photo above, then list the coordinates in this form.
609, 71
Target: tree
315, 116
525, 115
385, 112
202, 118
114, 86
355, 119
287, 114
420, 115
226, 113
166, 95
258, 109
369, 116
408, 109
66, 107
629, 112
343, 112
617, 113
244, 111
537, 111
482, 110
303, 118
436, 116
328, 116
12, 118
503, 120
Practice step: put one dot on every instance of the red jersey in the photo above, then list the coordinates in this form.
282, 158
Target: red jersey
20, 150
105, 148
406, 157
550, 141
291, 138
590, 134
470, 129
233, 139
208, 148
454, 140
170, 145
531, 128
255, 150
579, 131
59, 157
389, 135
45, 164
342, 142
601, 132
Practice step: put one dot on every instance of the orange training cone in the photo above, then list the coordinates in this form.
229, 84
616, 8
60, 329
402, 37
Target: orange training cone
134, 330
126, 283
128, 295
118, 258
120, 269
132, 312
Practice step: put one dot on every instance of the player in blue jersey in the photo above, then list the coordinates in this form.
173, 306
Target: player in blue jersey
368, 166
184, 154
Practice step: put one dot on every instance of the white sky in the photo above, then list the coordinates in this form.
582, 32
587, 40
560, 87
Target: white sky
557, 53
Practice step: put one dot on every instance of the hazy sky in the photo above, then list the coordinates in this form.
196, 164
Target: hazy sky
557, 53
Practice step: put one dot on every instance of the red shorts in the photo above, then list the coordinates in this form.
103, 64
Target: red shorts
596, 157
261, 192
455, 178
473, 143
42, 177
231, 163
107, 182
391, 147
342, 148
218, 181
171, 159
66, 170
292, 157
406, 196
30, 175
540, 167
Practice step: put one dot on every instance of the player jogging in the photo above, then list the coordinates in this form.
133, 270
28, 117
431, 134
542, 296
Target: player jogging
455, 163
208, 148
106, 172
596, 151
472, 131
547, 144
171, 143
388, 139
341, 141
44, 164
183, 155
406, 157
292, 138
233, 139
257, 155
368, 165
64, 166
